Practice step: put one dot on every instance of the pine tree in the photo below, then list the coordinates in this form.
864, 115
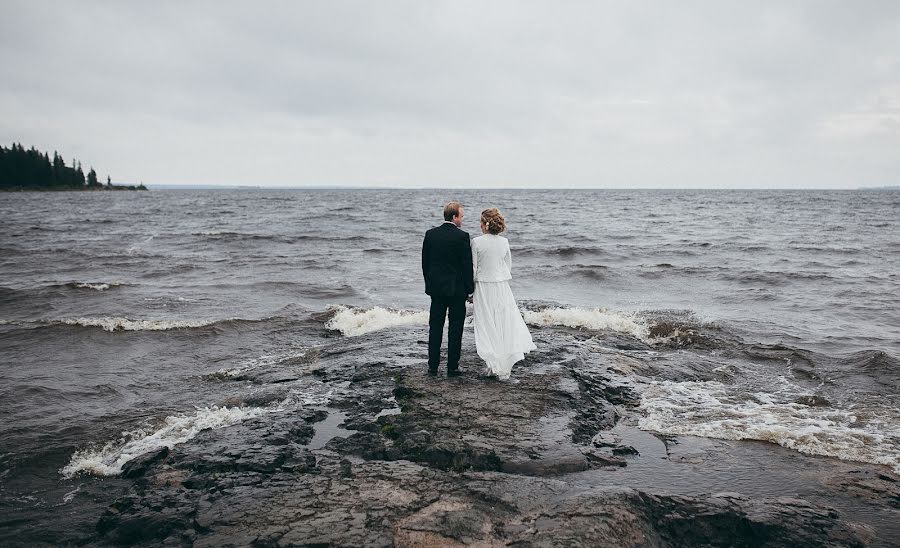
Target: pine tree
4, 168
22, 168
79, 176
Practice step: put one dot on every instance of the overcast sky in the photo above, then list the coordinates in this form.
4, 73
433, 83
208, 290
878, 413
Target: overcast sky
786, 94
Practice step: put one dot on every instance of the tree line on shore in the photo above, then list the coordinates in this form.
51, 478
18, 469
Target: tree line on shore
31, 169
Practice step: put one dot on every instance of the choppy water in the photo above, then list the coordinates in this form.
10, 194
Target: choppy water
769, 315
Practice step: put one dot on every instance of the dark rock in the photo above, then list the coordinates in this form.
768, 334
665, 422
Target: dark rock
368, 445
813, 401
133, 520
870, 485
314, 415
548, 466
602, 458
623, 450
346, 468
299, 461
680, 333
266, 396
310, 357
137, 466
605, 439
461, 462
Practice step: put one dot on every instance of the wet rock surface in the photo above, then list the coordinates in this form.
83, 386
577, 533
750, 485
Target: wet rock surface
399, 458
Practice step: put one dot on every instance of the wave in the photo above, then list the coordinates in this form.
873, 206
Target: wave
875, 362
878, 365
113, 324
773, 278
109, 459
589, 272
715, 410
561, 251
383, 251
227, 235
802, 246
97, 286
290, 239
305, 289
594, 319
56, 290
770, 278
267, 360
352, 322
670, 270
659, 328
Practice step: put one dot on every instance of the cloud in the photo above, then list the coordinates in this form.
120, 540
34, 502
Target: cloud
459, 93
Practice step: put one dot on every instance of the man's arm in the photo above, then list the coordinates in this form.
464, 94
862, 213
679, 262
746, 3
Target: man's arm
426, 251
467, 266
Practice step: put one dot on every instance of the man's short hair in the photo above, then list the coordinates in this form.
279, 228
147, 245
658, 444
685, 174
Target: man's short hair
451, 210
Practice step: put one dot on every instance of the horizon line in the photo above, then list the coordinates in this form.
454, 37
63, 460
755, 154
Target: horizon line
176, 186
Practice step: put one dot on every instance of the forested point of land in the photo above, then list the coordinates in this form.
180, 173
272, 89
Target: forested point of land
31, 169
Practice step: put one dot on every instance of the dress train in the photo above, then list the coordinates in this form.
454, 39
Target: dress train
501, 336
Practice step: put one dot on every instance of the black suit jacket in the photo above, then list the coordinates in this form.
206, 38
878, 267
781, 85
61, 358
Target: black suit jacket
447, 262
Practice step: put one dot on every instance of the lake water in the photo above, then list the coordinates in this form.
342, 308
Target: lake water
776, 312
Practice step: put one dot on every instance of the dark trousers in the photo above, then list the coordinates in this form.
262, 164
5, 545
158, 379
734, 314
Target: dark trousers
439, 307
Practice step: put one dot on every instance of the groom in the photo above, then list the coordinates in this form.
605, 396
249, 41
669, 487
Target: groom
447, 267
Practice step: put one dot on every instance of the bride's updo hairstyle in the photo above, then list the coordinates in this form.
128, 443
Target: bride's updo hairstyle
493, 220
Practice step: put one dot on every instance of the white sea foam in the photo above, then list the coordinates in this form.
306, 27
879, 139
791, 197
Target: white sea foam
597, 319
68, 497
109, 459
352, 322
97, 286
316, 393
124, 324
265, 360
716, 410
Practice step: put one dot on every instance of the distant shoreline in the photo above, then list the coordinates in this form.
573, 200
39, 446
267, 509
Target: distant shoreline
103, 188
24, 170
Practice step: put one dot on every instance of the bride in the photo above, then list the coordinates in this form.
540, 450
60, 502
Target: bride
501, 337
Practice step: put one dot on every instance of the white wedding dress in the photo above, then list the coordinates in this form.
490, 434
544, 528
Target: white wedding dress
501, 336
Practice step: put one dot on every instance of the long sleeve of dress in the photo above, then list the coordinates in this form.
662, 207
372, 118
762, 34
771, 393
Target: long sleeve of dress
508, 258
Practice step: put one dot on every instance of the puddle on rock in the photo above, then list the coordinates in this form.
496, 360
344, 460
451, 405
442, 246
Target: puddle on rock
329, 429
389, 410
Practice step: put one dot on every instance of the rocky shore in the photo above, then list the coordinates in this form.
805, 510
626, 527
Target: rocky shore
398, 458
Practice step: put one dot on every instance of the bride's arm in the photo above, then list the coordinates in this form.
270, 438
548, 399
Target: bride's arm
508, 258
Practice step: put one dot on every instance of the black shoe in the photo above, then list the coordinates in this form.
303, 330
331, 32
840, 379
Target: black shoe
432, 372
455, 373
